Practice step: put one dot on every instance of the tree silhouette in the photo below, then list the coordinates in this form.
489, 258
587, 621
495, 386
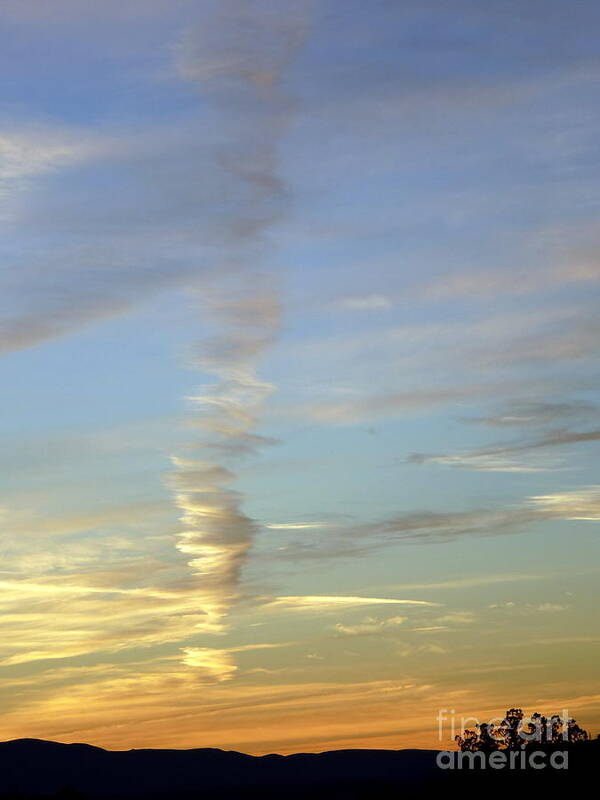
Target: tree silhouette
513, 733
511, 726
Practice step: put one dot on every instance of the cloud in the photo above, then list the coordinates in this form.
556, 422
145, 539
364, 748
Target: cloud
111, 219
551, 607
575, 504
244, 43
367, 302
430, 527
29, 151
127, 515
92, 583
236, 58
429, 629
580, 504
333, 602
218, 664
66, 619
440, 526
457, 618
216, 537
216, 533
369, 626
390, 404
497, 459
474, 581
295, 526
81, 251
138, 215
398, 370
481, 462
534, 413
514, 282
144, 599
529, 608
160, 700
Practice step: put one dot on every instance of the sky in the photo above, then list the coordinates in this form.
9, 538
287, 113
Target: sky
299, 331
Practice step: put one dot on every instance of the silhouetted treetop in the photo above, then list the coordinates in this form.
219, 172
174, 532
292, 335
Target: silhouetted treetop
517, 731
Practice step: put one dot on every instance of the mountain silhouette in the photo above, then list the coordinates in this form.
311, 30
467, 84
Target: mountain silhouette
32, 768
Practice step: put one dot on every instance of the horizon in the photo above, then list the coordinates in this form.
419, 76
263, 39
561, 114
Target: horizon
299, 328
559, 743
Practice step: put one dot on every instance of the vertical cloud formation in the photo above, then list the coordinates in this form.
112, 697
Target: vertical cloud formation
237, 57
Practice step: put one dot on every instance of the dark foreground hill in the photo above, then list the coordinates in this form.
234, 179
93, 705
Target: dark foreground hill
31, 768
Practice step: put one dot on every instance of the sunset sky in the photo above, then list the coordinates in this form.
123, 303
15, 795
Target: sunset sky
300, 363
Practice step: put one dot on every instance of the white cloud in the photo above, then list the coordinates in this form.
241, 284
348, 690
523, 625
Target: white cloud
295, 526
482, 463
457, 618
582, 504
215, 664
370, 625
367, 302
477, 580
551, 607
218, 663
29, 152
495, 282
529, 608
331, 602
525, 456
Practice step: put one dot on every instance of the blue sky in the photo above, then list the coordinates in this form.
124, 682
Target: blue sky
299, 330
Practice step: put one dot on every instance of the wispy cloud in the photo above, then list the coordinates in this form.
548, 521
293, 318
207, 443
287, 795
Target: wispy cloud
436, 526
457, 618
498, 458
219, 664
370, 626
513, 282
236, 57
187, 199
484, 462
332, 602
528, 608
295, 526
576, 504
583, 504
28, 151
535, 413
474, 581
367, 302
217, 533
394, 371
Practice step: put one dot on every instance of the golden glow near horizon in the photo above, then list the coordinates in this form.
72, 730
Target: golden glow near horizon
299, 334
